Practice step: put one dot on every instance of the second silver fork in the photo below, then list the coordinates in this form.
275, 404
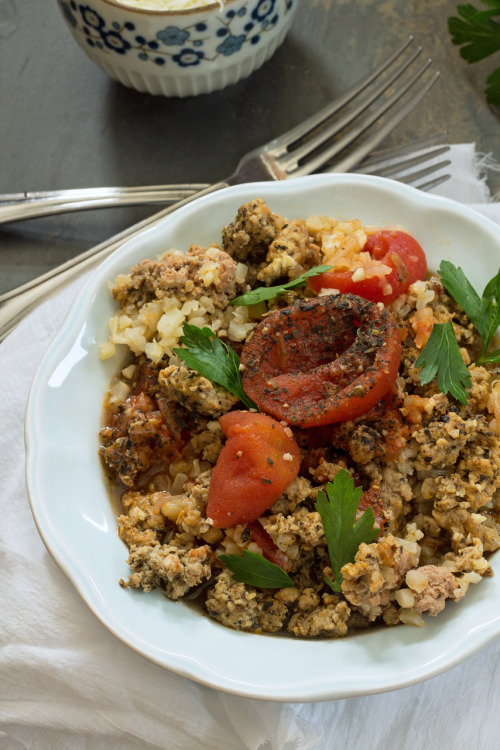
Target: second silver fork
412, 164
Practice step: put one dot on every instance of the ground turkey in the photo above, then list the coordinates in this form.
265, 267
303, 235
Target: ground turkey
136, 439
194, 392
173, 568
243, 607
378, 569
249, 235
327, 620
188, 275
291, 253
431, 585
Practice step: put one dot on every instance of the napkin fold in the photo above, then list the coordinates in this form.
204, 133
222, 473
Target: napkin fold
66, 683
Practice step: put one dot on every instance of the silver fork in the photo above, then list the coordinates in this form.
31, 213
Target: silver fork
395, 162
304, 149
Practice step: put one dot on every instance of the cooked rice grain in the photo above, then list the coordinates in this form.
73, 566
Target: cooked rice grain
155, 328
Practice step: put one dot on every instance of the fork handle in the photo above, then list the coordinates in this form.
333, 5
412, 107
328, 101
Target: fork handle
17, 303
29, 205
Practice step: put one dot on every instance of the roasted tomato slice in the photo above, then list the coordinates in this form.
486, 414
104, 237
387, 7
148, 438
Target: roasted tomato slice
257, 462
323, 360
393, 248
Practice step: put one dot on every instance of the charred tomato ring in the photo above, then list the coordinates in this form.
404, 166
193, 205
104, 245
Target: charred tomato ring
322, 361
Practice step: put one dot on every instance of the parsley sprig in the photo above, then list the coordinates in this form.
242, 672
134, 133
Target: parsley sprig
263, 293
255, 570
441, 358
478, 35
214, 359
337, 506
483, 312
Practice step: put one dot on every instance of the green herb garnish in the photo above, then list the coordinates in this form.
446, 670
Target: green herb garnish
263, 293
483, 312
338, 506
478, 35
441, 359
255, 570
214, 359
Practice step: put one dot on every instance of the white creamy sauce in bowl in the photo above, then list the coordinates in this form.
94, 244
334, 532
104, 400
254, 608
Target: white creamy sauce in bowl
169, 5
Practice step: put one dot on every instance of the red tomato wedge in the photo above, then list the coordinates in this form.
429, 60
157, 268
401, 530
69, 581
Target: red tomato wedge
257, 462
372, 498
323, 360
269, 549
395, 249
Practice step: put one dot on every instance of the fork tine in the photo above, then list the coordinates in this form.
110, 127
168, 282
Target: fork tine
433, 183
384, 169
423, 145
281, 144
389, 163
412, 177
377, 136
405, 163
296, 154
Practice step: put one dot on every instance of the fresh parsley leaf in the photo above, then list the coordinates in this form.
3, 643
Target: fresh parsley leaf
457, 284
337, 506
263, 293
491, 306
484, 312
478, 35
255, 570
441, 359
214, 359
441, 356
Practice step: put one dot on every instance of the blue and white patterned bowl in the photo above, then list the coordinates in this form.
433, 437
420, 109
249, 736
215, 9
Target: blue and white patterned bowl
183, 52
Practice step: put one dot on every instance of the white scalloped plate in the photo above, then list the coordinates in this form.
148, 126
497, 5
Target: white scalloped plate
74, 515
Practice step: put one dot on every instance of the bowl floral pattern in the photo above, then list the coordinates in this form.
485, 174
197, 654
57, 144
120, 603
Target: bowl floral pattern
191, 43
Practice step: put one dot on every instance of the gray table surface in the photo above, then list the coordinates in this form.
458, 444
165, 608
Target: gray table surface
64, 123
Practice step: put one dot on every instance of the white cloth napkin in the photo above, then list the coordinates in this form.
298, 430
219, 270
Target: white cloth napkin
68, 684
